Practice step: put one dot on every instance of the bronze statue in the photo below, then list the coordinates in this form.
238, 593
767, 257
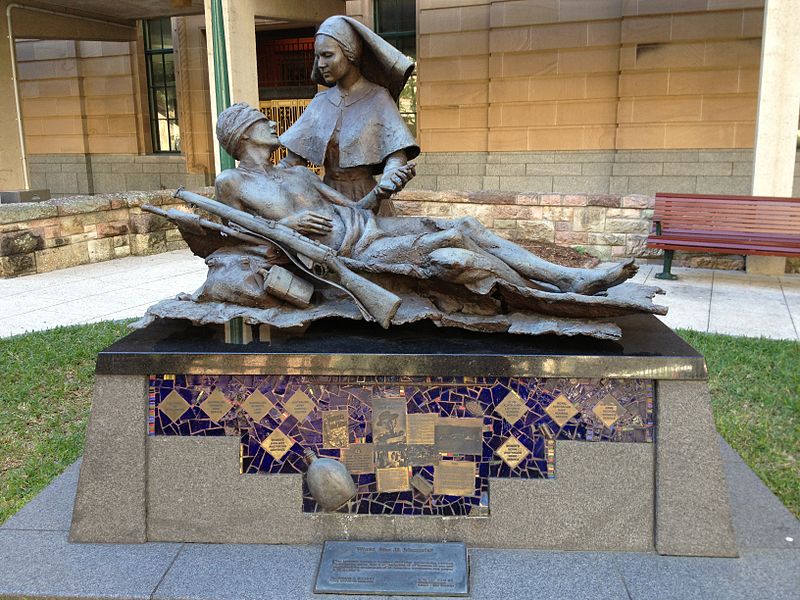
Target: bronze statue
354, 129
455, 272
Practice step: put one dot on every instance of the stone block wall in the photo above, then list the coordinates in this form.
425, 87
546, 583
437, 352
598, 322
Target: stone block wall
604, 225
595, 172
71, 174
66, 232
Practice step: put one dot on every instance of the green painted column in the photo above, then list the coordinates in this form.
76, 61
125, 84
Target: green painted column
221, 85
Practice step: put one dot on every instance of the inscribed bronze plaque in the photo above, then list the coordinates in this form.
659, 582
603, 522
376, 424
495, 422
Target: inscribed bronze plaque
393, 568
561, 410
392, 480
422, 485
334, 429
390, 457
277, 444
216, 405
454, 478
512, 408
608, 410
419, 455
359, 458
299, 405
422, 428
512, 451
459, 435
173, 405
257, 406
388, 421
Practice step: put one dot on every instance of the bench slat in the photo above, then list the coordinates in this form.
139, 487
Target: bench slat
717, 223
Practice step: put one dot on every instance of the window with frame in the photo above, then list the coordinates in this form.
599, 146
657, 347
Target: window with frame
161, 89
396, 22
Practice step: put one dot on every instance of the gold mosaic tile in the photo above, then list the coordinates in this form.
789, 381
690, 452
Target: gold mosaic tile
608, 410
216, 405
257, 406
173, 405
299, 405
277, 444
512, 452
561, 410
512, 408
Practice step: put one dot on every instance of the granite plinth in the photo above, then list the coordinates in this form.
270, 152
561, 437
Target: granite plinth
622, 484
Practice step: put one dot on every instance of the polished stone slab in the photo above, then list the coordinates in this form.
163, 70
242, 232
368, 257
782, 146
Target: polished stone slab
648, 350
404, 569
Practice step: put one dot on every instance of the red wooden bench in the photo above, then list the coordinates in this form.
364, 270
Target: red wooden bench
729, 224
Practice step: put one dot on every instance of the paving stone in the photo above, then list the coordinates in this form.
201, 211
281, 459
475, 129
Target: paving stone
233, 572
759, 518
762, 575
552, 575
43, 563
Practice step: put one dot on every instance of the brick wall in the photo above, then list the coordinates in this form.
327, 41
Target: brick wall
599, 172
45, 236
71, 174
605, 225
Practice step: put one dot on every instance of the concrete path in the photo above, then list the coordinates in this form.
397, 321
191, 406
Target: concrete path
37, 561
730, 302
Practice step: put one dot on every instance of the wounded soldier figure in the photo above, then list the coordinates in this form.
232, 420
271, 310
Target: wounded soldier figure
452, 271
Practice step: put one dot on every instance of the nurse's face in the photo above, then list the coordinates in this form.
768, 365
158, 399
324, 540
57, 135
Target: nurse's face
331, 61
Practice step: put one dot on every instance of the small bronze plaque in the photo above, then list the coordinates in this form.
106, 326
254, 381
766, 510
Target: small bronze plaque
420, 455
422, 485
359, 458
277, 444
459, 435
512, 452
173, 406
454, 478
608, 410
393, 568
561, 410
257, 406
388, 421
299, 405
390, 457
392, 480
512, 408
216, 405
422, 428
334, 429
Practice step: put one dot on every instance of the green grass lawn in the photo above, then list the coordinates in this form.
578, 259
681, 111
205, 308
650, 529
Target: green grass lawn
48, 377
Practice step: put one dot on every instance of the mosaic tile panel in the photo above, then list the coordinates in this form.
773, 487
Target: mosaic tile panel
415, 445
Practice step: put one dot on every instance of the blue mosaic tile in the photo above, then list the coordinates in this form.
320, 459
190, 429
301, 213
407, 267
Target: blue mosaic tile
588, 410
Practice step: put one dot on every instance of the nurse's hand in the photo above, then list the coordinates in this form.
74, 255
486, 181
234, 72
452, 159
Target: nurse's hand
396, 179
